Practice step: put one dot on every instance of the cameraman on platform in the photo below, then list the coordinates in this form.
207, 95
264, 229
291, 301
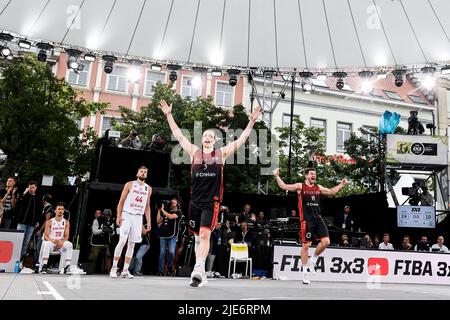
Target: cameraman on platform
168, 224
132, 141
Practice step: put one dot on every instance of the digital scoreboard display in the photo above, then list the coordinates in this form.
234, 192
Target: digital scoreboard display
416, 216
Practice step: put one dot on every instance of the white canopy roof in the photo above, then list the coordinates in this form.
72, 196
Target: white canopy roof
283, 34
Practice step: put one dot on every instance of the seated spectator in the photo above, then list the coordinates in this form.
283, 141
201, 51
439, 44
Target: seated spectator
245, 215
385, 245
293, 214
439, 246
344, 241
244, 235
406, 244
422, 245
376, 241
366, 242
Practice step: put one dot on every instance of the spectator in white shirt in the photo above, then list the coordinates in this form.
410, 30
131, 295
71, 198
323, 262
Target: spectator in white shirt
385, 245
439, 246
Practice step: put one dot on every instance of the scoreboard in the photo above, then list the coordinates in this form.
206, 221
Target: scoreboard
416, 216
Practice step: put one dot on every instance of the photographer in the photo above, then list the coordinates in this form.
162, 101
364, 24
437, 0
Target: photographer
414, 125
132, 141
426, 199
168, 224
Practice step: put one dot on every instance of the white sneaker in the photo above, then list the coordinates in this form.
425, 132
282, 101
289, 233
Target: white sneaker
126, 274
306, 278
198, 278
113, 273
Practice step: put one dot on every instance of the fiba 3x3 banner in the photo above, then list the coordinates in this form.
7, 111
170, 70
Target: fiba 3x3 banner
370, 266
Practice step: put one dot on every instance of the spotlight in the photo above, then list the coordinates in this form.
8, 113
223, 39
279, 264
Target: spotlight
233, 74
109, 63
398, 76
428, 80
89, 57
216, 73
24, 44
340, 75
307, 87
73, 59
43, 49
156, 67
6, 51
322, 77
173, 76
445, 69
366, 85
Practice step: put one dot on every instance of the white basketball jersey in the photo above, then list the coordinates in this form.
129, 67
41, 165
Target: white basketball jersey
57, 229
137, 198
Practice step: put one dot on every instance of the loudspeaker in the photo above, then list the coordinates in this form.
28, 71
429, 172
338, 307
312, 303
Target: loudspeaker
119, 165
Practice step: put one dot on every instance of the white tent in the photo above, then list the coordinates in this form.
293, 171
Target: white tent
279, 34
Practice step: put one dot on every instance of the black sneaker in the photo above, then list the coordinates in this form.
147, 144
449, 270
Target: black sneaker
44, 269
67, 269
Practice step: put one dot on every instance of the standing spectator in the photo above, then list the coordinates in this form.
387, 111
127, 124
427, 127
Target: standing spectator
406, 243
261, 222
29, 208
168, 223
245, 215
293, 213
98, 243
244, 235
47, 213
376, 241
385, 245
346, 221
439, 246
136, 263
213, 248
8, 198
422, 244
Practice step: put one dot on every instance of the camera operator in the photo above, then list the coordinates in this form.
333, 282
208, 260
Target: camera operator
168, 224
414, 125
426, 199
132, 141
109, 235
98, 242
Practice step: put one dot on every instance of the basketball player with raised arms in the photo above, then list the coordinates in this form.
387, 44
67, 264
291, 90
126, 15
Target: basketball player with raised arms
311, 222
206, 185
133, 204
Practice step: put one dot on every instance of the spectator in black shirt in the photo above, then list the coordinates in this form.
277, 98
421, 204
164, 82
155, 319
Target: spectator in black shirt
244, 235
406, 243
8, 198
344, 241
29, 207
423, 244
346, 221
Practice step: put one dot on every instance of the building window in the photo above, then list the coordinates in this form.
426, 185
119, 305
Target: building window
417, 99
118, 79
107, 123
320, 123
224, 95
188, 90
376, 93
80, 78
287, 120
392, 95
369, 137
151, 79
344, 130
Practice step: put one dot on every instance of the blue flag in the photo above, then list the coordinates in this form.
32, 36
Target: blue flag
388, 122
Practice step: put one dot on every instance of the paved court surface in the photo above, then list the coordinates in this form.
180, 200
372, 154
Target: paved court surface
88, 287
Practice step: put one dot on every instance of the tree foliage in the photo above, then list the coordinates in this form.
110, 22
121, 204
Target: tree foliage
38, 125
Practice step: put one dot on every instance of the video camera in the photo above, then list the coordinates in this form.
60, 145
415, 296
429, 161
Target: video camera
413, 192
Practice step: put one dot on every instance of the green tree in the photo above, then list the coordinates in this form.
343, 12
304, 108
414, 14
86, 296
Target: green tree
38, 126
150, 120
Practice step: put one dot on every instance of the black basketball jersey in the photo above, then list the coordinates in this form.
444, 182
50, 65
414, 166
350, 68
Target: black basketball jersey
308, 202
207, 176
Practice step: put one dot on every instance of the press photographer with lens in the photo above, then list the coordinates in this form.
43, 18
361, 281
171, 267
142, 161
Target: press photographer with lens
132, 141
168, 219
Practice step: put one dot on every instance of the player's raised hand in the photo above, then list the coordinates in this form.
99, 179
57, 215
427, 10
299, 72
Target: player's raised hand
255, 114
165, 107
276, 172
344, 181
